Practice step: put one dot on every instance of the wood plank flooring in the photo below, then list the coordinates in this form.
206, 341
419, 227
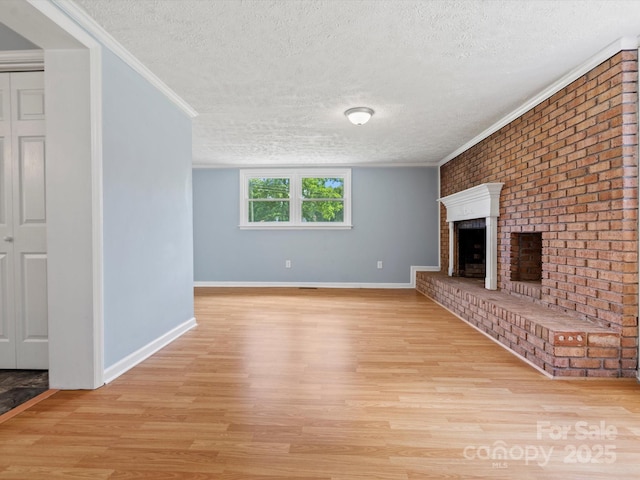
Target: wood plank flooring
303, 384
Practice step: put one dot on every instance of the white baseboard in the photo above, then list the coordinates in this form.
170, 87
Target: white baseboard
301, 285
415, 269
410, 284
145, 352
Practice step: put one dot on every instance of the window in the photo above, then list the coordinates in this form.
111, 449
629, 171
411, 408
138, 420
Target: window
269, 199
295, 198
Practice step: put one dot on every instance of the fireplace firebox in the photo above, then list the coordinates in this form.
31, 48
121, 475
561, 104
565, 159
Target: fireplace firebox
471, 236
526, 257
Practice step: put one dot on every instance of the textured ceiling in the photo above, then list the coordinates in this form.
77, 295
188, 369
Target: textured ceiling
272, 78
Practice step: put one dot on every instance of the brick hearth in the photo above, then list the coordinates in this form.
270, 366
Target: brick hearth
557, 343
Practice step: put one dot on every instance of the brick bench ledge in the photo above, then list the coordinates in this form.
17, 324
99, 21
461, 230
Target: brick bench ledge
557, 343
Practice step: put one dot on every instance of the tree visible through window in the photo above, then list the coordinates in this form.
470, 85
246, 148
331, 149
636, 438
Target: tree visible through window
269, 199
295, 199
322, 199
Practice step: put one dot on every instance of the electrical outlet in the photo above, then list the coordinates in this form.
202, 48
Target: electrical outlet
287, 264
379, 264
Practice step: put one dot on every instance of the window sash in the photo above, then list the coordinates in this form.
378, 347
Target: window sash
252, 203
274, 188
339, 214
297, 199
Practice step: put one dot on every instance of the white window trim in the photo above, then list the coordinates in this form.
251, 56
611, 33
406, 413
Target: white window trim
295, 176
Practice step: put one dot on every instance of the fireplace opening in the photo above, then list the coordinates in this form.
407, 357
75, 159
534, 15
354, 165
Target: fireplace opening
472, 238
526, 257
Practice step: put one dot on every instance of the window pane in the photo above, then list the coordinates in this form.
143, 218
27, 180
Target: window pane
268, 211
271, 188
322, 187
323, 211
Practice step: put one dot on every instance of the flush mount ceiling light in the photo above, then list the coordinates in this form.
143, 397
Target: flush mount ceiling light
359, 115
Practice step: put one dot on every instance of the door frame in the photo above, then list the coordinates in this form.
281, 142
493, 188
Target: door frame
72, 63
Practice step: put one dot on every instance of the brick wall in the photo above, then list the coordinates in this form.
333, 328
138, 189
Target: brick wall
569, 167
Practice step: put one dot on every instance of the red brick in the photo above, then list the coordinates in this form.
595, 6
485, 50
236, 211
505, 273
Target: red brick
599, 352
604, 340
570, 372
570, 339
570, 171
569, 351
585, 363
603, 373
611, 363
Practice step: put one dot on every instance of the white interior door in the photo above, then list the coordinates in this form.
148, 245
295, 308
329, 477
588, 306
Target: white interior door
23, 252
7, 314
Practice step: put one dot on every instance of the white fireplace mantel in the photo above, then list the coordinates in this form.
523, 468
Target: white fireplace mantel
481, 201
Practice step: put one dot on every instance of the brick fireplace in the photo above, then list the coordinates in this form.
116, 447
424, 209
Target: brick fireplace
566, 229
472, 207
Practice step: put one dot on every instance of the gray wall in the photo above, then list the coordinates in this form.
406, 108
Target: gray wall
395, 219
148, 231
10, 40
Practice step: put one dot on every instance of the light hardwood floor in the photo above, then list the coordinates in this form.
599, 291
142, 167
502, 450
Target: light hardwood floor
329, 385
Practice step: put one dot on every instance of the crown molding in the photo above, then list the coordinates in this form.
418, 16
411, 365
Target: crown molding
74, 12
21, 60
213, 166
624, 43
